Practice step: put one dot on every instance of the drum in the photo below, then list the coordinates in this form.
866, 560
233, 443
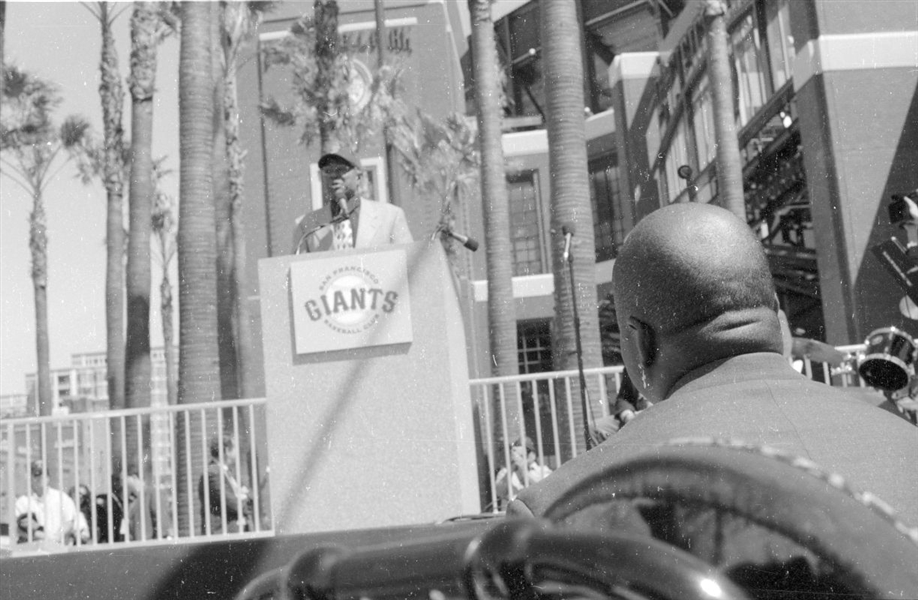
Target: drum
888, 359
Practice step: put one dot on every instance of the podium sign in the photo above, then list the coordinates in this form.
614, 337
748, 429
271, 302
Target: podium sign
350, 301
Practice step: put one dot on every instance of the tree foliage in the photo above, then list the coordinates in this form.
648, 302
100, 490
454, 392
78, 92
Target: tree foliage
332, 104
441, 159
30, 140
31, 145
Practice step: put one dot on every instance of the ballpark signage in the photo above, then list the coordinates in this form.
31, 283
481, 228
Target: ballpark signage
350, 301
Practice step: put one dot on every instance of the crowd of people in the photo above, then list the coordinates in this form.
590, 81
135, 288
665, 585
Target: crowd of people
132, 509
128, 511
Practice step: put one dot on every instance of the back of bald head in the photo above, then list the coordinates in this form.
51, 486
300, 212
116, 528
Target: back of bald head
697, 267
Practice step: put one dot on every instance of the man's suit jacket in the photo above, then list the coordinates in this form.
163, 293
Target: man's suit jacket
761, 400
378, 224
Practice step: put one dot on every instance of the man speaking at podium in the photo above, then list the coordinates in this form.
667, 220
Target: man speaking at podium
346, 219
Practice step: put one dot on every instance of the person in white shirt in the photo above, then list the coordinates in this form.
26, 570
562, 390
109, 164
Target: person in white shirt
53, 515
526, 470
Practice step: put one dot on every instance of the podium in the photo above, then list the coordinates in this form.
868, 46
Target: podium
369, 414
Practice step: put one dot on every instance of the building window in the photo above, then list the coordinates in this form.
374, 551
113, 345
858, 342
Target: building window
533, 340
606, 197
63, 385
525, 223
750, 72
780, 41
703, 123
518, 37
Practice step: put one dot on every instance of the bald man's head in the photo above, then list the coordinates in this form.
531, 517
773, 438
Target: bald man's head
695, 270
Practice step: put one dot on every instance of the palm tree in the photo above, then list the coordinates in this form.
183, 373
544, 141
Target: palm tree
501, 312
240, 20
570, 190
148, 28
321, 75
2, 42
112, 167
326, 24
31, 153
199, 379
729, 163
163, 227
226, 305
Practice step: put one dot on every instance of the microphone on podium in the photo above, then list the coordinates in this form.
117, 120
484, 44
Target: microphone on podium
468, 242
568, 230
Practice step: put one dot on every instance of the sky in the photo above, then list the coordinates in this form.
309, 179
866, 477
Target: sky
61, 42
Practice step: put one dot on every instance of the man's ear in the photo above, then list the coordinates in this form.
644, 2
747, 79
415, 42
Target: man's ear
645, 341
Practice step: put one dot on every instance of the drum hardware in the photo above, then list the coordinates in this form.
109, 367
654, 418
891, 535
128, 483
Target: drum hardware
888, 363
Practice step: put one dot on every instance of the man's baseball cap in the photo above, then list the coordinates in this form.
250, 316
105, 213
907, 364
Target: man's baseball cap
337, 157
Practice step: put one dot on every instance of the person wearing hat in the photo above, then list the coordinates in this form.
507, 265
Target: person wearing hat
526, 470
47, 513
347, 219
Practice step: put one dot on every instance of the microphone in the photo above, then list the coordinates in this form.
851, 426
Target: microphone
343, 213
470, 243
568, 230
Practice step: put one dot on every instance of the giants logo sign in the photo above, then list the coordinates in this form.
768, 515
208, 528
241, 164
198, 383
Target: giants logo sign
350, 301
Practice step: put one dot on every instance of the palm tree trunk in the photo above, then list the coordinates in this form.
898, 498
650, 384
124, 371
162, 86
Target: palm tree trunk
729, 163
138, 365
2, 43
240, 21
326, 22
570, 196
226, 327
245, 359
165, 295
199, 363
501, 312
111, 93
38, 244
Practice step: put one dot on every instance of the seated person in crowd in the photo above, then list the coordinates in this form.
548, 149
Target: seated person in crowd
347, 219
149, 514
526, 470
111, 503
219, 487
46, 513
82, 498
701, 340
628, 403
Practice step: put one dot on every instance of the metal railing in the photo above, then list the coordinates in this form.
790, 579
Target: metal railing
168, 474
546, 408
136, 475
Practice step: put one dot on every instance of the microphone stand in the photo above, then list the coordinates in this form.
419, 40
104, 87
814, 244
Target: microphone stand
343, 215
587, 435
